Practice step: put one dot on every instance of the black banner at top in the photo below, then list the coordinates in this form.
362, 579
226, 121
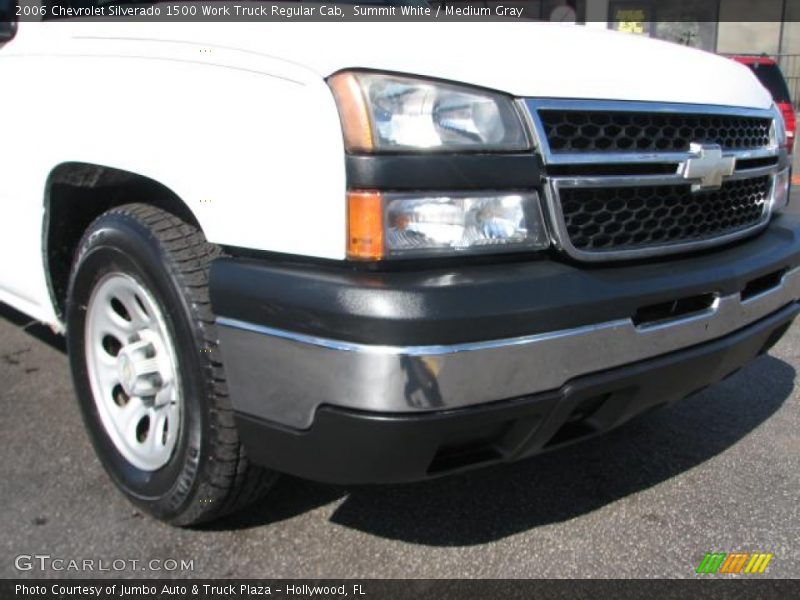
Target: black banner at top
560, 11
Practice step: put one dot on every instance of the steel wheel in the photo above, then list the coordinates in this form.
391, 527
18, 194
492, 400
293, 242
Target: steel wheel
133, 371
148, 372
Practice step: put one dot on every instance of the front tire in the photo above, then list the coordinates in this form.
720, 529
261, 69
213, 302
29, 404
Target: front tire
147, 369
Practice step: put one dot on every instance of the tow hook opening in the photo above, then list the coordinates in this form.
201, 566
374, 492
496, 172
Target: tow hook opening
681, 308
577, 425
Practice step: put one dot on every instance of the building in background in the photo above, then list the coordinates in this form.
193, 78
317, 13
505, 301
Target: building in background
769, 27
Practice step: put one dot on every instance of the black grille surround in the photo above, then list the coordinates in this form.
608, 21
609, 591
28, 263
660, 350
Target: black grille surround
570, 131
636, 217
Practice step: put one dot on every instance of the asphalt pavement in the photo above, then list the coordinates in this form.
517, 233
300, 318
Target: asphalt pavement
717, 472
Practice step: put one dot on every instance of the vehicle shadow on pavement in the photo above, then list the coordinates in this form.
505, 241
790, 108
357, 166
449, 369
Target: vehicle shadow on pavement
493, 503
496, 502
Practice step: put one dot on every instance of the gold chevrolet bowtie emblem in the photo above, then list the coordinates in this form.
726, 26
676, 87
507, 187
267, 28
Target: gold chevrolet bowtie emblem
707, 165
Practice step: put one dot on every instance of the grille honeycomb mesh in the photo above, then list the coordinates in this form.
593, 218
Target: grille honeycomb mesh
610, 131
634, 218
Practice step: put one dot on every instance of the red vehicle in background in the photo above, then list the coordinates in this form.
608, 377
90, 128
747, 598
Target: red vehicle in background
770, 76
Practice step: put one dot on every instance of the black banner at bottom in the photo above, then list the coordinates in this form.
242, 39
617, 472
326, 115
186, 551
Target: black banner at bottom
373, 589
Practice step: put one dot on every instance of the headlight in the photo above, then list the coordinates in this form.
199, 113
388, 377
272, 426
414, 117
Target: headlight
407, 224
393, 113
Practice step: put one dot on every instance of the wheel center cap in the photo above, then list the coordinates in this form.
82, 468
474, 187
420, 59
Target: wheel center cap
138, 369
126, 372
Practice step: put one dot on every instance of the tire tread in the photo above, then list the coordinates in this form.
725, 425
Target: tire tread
229, 480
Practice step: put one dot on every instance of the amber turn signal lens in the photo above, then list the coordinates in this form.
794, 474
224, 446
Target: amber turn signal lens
353, 112
364, 225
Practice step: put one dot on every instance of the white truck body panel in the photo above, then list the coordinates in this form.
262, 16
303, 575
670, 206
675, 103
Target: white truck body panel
237, 120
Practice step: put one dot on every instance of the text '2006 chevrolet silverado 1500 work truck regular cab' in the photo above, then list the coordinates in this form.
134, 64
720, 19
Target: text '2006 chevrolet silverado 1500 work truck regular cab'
389, 260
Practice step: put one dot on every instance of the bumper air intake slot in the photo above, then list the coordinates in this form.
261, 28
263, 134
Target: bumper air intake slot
474, 446
654, 314
762, 284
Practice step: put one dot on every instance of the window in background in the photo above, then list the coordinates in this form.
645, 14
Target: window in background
687, 22
630, 17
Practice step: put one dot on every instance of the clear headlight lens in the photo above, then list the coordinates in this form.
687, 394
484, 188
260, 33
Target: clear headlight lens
393, 113
403, 224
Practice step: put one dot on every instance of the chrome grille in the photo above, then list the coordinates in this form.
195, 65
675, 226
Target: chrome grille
627, 218
614, 131
627, 180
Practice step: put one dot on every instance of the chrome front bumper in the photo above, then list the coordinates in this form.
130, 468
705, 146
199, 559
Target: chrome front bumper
289, 375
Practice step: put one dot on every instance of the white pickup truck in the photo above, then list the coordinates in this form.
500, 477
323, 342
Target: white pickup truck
365, 253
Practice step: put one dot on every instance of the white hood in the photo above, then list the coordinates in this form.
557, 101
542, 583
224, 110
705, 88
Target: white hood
541, 59
521, 58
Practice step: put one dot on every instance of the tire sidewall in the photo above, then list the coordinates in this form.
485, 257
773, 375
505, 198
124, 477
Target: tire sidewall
118, 243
